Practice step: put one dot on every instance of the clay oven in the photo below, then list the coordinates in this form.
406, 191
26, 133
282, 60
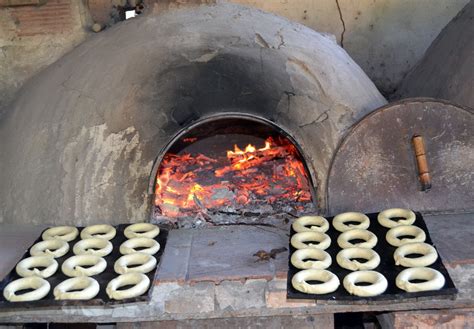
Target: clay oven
85, 138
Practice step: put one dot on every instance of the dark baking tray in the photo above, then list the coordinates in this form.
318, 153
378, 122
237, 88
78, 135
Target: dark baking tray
387, 267
103, 278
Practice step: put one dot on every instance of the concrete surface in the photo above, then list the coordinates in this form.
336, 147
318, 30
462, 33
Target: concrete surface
79, 142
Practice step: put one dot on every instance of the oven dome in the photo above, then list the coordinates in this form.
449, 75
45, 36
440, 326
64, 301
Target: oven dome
79, 142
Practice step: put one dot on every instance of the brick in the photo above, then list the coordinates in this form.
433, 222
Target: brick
462, 318
275, 296
191, 299
232, 295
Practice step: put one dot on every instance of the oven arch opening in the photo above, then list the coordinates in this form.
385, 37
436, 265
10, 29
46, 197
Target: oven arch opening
231, 168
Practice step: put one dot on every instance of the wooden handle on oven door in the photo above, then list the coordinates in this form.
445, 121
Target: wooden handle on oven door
421, 162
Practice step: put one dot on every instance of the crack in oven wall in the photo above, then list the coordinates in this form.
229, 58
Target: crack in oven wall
231, 170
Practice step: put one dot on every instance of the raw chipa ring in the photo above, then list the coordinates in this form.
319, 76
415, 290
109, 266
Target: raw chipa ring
73, 266
429, 255
345, 259
41, 289
323, 259
403, 230
316, 240
103, 231
79, 288
370, 240
54, 247
434, 279
29, 266
378, 283
139, 281
339, 221
93, 246
387, 217
330, 281
146, 263
65, 233
315, 223
141, 230
151, 246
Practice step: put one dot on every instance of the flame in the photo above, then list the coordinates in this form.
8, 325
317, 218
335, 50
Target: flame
268, 174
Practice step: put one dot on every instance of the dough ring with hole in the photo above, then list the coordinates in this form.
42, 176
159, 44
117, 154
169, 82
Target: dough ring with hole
378, 283
93, 246
141, 230
151, 246
139, 281
370, 240
430, 255
41, 289
345, 259
65, 233
330, 282
434, 279
316, 240
311, 224
54, 247
145, 262
103, 231
417, 233
29, 266
74, 266
385, 217
79, 288
322, 262
339, 221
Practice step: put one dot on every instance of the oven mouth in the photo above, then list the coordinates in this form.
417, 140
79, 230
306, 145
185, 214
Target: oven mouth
261, 136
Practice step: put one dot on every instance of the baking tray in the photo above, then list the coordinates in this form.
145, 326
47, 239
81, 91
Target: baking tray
387, 267
102, 278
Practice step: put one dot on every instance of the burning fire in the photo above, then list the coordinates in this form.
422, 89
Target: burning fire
253, 175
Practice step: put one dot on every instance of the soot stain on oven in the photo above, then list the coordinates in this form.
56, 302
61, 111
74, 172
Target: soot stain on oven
225, 83
231, 170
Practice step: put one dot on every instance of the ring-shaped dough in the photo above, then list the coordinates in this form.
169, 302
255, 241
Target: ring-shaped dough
103, 231
330, 281
41, 289
93, 246
65, 233
306, 240
315, 223
146, 263
339, 221
417, 233
378, 283
434, 279
141, 230
429, 255
54, 247
74, 266
79, 288
345, 259
385, 217
140, 281
29, 266
323, 259
370, 240
151, 246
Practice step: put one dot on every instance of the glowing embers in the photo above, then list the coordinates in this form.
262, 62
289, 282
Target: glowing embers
271, 176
